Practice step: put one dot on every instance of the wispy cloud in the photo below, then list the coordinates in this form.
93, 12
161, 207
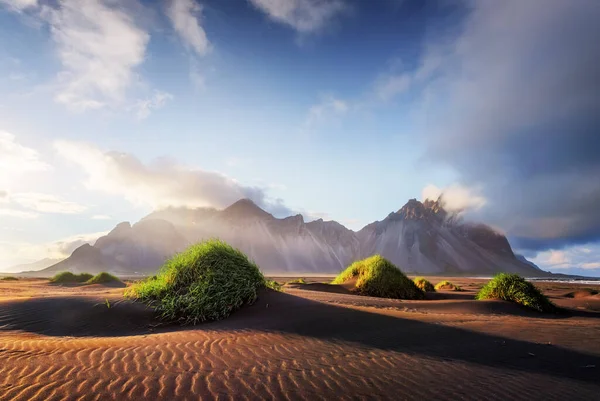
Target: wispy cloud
156, 101
99, 46
185, 15
19, 5
46, 203
455, 197
16, 159
576, 258
328, 108
161, 183
9, 212
22, 252
101, 217
305, 16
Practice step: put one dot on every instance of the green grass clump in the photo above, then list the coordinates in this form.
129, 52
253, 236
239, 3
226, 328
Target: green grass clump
514, 288
378, 277
424, 284
70, 278
447, 285
9, 278
274, 285
208, 281
103, 278
297, 281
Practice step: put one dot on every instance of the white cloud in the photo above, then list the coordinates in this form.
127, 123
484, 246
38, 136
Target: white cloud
185, 17
557, 258
46, 203
574, 258
99, 46
304, 16
20, 5
455, 197
16, 159
512, 103
19, 252
144, 107
161, 183
327, 108
101, 217
392, 85
17, 213
17, 76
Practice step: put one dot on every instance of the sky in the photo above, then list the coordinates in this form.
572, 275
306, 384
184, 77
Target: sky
335, 109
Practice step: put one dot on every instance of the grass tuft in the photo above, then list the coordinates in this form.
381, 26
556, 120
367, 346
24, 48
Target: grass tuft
9, 278
70, 278
424, 284
514, 288
274, 285
103, 278
297, 281
447, 285
208, 281
378, 277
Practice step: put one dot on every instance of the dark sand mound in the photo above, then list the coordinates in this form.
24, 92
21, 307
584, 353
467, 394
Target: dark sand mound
581, 293
451, 294
112, 284
333, 288
305, 345
77, 316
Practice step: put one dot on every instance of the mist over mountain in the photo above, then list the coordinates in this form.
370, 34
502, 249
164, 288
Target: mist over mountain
421, 237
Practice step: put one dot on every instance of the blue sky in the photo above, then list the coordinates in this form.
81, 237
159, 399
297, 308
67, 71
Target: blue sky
334, 108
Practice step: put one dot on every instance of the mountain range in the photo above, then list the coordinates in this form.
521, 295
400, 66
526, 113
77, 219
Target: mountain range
421, 237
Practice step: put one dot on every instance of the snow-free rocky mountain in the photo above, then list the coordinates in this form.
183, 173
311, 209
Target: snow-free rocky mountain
419, 238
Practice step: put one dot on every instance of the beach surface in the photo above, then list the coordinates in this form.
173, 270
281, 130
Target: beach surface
313, 341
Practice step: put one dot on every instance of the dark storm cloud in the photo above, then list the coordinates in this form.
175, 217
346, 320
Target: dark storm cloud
516, 102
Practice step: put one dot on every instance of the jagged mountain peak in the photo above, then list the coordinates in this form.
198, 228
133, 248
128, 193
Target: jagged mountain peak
416, 210
82, 249
245, 208
297, 218
121, 227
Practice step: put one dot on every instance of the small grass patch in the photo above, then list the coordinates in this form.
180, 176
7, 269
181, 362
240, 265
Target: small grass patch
70, 278
378, 277
103, 278
208, 281
424, 284
274, 285
447, 285
514, 288
9, 278
297, 281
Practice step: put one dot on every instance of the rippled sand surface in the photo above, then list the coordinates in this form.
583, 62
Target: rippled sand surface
306, 343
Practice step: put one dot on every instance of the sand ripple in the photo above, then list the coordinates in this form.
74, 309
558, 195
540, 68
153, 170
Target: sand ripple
295, 349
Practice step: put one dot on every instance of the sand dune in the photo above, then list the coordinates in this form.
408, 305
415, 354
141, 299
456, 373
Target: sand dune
66, 343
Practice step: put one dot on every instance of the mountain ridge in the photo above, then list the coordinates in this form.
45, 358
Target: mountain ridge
421, 237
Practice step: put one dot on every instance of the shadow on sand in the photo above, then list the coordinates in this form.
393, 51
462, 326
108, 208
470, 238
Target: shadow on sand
280, 312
